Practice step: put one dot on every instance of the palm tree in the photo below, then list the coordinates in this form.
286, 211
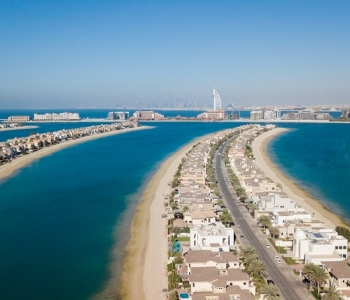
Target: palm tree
251, 206
247, 251
249, 259
316, 274
332, 294
257, 269
265, 221
274, 231
270, 291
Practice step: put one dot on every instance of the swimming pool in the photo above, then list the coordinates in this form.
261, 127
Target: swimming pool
176, 247
184, 296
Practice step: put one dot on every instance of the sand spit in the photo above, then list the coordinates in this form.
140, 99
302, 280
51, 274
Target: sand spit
18, 128
144, 273
7, 169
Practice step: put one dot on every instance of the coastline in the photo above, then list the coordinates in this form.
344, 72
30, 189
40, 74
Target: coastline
144, 270
18, 128
7, 169
301, 197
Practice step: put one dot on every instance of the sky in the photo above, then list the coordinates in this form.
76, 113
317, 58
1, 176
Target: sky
71, 54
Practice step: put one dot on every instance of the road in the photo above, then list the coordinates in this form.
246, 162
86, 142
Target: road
289, 284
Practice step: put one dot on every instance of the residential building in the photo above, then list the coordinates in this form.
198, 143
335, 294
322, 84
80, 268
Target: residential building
211, 236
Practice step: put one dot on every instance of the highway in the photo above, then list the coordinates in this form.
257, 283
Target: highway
289, 284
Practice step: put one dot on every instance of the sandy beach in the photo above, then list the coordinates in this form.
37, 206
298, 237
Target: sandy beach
18, 128
288, 186
7, 169
144, 273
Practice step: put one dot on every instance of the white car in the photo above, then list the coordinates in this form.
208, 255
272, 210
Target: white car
276, 257
267, 246
278, 261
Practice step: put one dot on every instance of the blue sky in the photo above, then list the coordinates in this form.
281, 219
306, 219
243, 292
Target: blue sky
99, 53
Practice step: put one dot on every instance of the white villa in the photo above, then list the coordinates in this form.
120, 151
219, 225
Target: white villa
318, 246
211, 236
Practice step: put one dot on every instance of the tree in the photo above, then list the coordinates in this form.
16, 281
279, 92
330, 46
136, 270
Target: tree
316, 275
248, 254
270, 291
265, 221
220, 202
225, 217
332, 294
274, 231
257, 269
251, 207
249, 259
185, 208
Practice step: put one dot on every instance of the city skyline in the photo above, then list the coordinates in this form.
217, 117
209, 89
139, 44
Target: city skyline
100, 54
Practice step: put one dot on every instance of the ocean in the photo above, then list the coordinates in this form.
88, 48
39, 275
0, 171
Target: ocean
62, 215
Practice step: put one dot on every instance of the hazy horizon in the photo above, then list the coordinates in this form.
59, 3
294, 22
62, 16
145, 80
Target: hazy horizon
98, 54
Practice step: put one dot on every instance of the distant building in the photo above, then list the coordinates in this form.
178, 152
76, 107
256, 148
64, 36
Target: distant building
269, 115
65, 116
212, 115
306, 115
118, 115
256, 115
18, 119
147, 115
217, 100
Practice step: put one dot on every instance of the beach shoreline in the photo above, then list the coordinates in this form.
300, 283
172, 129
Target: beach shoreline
18, 128
295, 192
9, 168
144, 273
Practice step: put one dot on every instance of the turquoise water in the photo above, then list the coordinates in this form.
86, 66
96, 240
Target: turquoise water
317, 158
62, 214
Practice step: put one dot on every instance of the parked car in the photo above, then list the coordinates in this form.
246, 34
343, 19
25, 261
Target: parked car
267, 246
305, 280
270, 281
242, 236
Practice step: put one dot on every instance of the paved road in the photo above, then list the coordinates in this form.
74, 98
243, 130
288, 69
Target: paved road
290, 285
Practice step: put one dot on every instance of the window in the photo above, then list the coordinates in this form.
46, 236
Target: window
244, 283
336, 247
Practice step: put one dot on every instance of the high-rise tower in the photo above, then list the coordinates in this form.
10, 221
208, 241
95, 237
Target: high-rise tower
217, 100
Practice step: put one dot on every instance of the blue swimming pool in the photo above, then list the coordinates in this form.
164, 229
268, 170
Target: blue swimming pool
184, 296
176, 247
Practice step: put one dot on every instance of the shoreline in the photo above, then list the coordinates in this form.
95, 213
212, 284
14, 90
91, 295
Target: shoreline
295, 192
19, 128
144, 269
8, 169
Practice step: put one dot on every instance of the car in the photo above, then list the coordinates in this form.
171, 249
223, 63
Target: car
242, 236
276, 257
270, 281
305, 280
267, 246
278, 261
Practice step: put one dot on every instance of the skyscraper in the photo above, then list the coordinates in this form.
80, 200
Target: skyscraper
217, 100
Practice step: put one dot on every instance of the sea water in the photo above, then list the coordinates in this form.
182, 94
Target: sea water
317, 158
61, 216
